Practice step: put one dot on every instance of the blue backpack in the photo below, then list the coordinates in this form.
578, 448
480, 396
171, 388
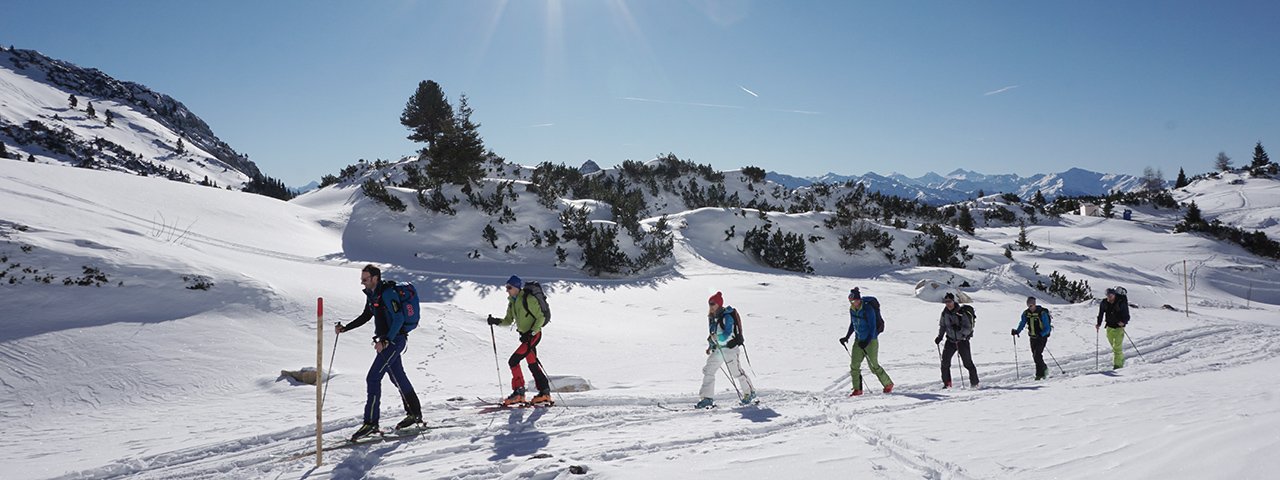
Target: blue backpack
404, 305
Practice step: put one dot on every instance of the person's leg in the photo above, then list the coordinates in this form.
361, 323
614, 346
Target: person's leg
401, 381
1115, 336
1037, 353
535, 367
947, 352
967, 358
373, 385
709, 375
734, 366
517, 375
855, 366
873, 361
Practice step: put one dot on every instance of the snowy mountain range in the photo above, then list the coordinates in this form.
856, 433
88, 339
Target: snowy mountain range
963, 184
113, 124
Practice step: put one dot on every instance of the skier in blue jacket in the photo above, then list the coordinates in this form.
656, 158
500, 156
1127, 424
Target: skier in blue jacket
1038, 323
389, 342
862, 321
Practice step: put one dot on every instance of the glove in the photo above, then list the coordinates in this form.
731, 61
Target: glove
863, 344
526, 337
339, 327
494, 321
1013, 331
733, 342
844, 340
938, 339
1122, 324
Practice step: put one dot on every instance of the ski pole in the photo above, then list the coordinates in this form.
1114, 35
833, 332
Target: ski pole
329, 373
1055, 360
1016, 371
1096, 333
1135, 346
497, 369
748, 357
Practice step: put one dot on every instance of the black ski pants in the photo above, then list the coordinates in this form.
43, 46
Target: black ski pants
966, 357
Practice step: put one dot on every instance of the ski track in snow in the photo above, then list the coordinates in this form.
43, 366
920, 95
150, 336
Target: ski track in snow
603, 430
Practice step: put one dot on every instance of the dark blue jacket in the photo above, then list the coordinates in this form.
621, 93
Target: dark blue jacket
385, 325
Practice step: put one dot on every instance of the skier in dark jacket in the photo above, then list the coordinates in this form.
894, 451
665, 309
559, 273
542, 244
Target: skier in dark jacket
1038, 325
1114, 310
389, 340
956, 323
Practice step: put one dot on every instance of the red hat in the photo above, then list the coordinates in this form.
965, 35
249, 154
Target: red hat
716, 299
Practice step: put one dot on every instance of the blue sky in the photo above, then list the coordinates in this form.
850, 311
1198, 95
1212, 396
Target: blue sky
801, 87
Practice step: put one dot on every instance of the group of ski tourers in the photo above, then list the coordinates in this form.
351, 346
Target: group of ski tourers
394, 309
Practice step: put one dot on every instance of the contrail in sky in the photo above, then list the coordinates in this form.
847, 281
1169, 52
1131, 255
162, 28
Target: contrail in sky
754, 94
541, 125
1002, 90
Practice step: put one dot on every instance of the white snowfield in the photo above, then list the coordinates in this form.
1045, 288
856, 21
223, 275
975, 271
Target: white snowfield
143, 378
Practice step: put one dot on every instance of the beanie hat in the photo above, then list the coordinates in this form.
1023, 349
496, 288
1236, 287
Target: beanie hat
515, 282
854, 294
949, 296
717, 299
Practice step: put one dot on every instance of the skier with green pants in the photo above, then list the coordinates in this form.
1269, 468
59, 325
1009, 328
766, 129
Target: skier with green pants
863, 321
1115, 311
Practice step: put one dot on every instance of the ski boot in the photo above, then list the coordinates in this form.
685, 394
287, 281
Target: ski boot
409, 421
515, 399
748, 398
365, 430
946, 384
888, 388
542, 399
855, 393
705, 403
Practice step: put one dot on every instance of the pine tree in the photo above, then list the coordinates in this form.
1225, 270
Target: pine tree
1260, 159
458, 153
4, 151
110, 117
427, 113
1182, 179
1038, 199
181, 148
1023, 243
72, 100
89, 111
1193, 214
1222, 163
965, 221
490, 235
1108, 209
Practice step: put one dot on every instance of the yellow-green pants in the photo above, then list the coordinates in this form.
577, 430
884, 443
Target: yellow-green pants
1115, 336
871, 354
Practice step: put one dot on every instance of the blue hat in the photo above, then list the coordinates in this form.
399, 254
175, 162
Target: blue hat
515, 282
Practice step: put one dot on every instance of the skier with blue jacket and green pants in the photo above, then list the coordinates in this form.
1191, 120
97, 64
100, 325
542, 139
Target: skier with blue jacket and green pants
863, 323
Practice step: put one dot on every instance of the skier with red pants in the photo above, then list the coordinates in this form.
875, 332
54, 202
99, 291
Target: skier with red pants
526, 313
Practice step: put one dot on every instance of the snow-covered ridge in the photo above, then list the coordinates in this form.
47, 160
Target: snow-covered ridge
37, 121
963, 184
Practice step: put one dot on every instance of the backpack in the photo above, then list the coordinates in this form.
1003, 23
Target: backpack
873, 303
973, 315
405, 306
534, 289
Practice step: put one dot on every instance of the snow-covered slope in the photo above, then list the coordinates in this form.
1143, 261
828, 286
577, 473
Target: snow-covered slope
1237, 199
38, 122
143, 378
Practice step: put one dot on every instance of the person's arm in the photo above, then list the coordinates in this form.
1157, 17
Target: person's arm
1022, 322
361, 320
1102, 309
1047, 322
395, 314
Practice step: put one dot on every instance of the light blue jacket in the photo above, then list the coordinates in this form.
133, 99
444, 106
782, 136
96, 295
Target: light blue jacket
1038, 322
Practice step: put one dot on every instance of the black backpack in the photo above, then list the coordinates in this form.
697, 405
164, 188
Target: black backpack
873, 303
973, 314
534, 289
